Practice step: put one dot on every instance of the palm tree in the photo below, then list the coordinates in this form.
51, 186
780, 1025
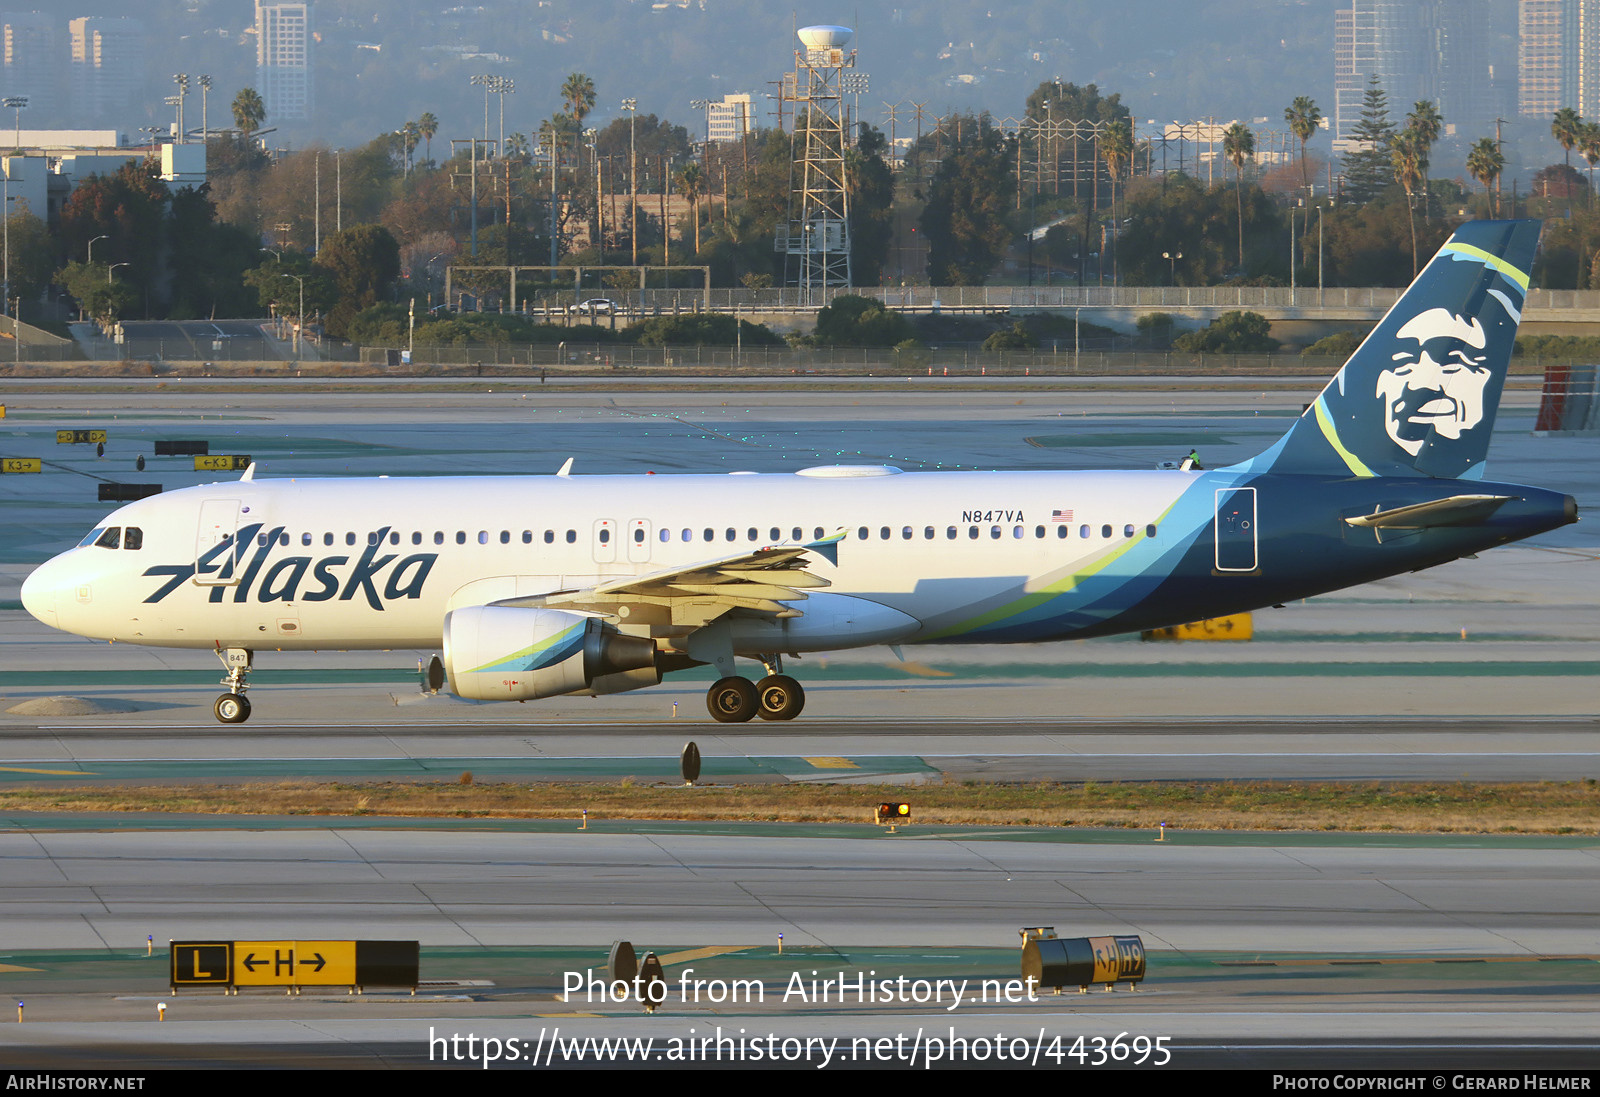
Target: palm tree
577, 95
1567, 128
409, 135
1239, 145
428, 125
1303, 117
1426, 123
1589, 145
1486, 162
1116, 147
1410, 159
248, 111
691, 183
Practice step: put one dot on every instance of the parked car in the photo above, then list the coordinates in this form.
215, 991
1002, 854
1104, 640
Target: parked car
595, 306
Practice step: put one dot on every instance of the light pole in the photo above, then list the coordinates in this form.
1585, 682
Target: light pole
1173, 257
483, 80
182, 80
632, 107
300, 317
112, 269
205, 124
17, 103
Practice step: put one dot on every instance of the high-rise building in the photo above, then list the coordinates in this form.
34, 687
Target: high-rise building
730, 118
1435, 50
284, 44
32, 59
1558, 54
108, 68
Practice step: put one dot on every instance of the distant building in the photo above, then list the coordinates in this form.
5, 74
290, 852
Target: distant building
1558, 53
31, 45
108, 68
284, 42
1435, 50
730, 119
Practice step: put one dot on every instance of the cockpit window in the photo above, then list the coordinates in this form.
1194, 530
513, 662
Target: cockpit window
133, 538
111, 538
92, 536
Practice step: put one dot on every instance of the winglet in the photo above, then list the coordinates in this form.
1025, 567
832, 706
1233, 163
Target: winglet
566, 469
828, 547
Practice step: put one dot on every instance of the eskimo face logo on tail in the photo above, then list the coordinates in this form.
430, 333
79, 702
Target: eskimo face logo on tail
1438, 385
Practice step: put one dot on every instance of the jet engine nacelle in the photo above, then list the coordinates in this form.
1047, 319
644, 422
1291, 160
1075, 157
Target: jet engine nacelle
503, 653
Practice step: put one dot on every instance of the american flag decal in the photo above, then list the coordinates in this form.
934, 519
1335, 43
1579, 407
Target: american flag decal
1061, 516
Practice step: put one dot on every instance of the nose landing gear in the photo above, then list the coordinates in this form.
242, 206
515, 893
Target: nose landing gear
232, 707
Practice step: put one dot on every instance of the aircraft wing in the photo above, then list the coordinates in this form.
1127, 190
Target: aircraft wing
1457, 510
686, 598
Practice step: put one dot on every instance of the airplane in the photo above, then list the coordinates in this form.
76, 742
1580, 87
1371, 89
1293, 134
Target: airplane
538, 586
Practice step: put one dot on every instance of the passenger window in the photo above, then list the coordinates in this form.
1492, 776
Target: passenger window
752, 535
1038, 531
605, 537
798, 534
972, 533
818, 534
111, 538
133, 538
1016, 532
907, 533
994, 533
1083, 531
638, 536
305, 539
549, 536
438, 536
883, 533
1062, 531
776, 534
950, 533
527, 537
283, 540
505, 537
865, 533
1105, 531
927, 533
731, 534
373, 538
461, 536
666, 535
572, 537
1127, 530
688, 534
1150, 530
261, 540
416, 537
711, 535
483, 537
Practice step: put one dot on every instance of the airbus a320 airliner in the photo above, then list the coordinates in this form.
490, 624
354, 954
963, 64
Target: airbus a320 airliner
536, 586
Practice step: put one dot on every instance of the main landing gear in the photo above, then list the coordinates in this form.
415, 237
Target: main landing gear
733, 700
232, 707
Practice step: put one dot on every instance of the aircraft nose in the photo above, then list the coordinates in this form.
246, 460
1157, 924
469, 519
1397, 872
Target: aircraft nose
39, 594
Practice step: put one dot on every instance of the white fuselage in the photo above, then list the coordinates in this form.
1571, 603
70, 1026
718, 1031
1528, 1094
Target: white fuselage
376, 563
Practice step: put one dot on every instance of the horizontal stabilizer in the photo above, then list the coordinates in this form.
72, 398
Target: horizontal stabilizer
1458, 510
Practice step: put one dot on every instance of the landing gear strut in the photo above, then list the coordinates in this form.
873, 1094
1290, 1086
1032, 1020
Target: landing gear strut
231, 707
733, 700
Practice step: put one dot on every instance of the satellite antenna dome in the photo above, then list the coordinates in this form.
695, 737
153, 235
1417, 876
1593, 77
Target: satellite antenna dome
825, 37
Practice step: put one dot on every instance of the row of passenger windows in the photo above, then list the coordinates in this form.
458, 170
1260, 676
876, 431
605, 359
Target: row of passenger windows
752, 534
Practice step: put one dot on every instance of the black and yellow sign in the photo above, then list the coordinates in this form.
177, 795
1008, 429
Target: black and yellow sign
79, 437
221, 462
1238, 626
21, 464
294, 963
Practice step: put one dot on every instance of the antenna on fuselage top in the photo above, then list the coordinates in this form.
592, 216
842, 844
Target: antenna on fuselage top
566, 469
249, 472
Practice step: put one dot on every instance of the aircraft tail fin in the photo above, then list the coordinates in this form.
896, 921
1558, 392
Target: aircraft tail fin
1419, 396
